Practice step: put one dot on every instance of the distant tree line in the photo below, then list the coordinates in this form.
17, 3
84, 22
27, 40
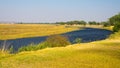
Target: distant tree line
79, 23
112, 21
72, 23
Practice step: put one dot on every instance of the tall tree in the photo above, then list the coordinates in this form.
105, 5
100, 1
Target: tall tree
115, 20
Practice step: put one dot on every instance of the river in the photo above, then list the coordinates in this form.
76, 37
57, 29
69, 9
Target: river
87, 35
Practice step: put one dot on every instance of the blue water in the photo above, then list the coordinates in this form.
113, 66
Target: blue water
87, 35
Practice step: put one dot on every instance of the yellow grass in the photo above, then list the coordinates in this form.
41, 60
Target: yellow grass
98, 54
13, 31
109, 28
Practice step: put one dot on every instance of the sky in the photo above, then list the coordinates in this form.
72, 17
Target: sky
57, 10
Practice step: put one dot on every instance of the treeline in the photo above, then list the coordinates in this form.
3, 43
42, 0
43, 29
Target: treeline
79, 23
112, 21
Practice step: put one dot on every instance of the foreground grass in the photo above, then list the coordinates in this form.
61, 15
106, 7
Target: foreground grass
13, 31
99, 54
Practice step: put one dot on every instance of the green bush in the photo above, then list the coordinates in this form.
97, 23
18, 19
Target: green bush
116, 27
57, 41
11, 50
105, 24
32, 47
115, 20
78, 40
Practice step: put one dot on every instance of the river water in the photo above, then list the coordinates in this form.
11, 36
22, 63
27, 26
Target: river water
87, 35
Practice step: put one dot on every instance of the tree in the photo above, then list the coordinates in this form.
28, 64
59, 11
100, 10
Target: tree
57, 41
62, 23
98, 23
92, 23
115, 20
105, 24
116, 27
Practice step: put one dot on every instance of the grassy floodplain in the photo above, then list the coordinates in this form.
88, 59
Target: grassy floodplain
98, 54
13, 31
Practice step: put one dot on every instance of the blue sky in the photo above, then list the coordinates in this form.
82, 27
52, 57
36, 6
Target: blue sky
57, 10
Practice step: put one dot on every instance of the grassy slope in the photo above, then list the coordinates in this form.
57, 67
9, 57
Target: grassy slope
99, 54
13, 31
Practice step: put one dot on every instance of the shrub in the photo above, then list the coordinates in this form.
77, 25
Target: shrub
57, 41
116, 27
27, 48
105, 24
32, 47
11, 50
115, 20
78, 40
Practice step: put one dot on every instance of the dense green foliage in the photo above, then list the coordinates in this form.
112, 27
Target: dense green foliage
93, 23
105, 24
73, 23
82, 22
116, 27
32, 47
115, 20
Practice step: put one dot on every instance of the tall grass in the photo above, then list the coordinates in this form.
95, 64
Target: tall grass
98, 54
33, 47
6, 48
87, 55
13, 31
116, 35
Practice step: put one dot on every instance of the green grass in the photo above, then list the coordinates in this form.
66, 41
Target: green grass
99, 54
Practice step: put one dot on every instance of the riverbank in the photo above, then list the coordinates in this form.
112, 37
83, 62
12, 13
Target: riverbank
86, 34
98, 54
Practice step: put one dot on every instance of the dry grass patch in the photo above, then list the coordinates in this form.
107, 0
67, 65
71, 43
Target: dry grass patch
13, 31
87, 55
